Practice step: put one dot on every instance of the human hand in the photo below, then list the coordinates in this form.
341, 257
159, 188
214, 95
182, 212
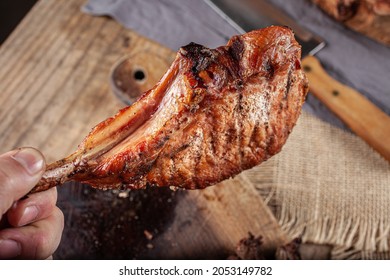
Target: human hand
30, 227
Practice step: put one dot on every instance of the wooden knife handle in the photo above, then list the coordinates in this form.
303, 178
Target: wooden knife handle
355, 110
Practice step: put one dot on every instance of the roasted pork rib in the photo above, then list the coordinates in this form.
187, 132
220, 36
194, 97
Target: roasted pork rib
215, 113
369, 17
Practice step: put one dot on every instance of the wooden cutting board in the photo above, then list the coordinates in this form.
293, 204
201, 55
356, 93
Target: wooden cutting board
55, 87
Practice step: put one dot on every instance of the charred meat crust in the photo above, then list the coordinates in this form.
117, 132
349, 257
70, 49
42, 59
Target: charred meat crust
215, 113
346, 11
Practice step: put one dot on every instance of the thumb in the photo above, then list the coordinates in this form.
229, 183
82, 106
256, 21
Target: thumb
20, 171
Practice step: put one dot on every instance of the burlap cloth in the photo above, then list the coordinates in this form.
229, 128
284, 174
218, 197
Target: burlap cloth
329, 187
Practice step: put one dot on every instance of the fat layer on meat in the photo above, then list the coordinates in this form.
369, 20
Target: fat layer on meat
215, 113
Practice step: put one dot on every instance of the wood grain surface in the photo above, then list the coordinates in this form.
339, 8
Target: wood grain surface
55, 87
354, 109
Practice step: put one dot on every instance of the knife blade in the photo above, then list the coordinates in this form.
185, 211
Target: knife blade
233, 10
354, 109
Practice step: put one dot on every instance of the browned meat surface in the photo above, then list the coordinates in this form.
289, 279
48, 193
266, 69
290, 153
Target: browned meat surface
215, 113
250, 248
343, 10
370, 17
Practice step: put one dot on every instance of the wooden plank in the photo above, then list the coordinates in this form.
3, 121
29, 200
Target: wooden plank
354, 109
209, 223
55, 88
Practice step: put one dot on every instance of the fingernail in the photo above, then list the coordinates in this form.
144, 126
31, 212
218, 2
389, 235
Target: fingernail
9, 249
29, 215
30, 159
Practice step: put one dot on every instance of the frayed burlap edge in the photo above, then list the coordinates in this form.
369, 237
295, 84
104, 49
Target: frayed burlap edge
329, 187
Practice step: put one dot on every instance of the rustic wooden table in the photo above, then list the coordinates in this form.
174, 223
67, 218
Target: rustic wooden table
54, 87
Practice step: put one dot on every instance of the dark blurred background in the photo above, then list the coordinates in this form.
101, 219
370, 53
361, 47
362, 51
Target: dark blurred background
11, 13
